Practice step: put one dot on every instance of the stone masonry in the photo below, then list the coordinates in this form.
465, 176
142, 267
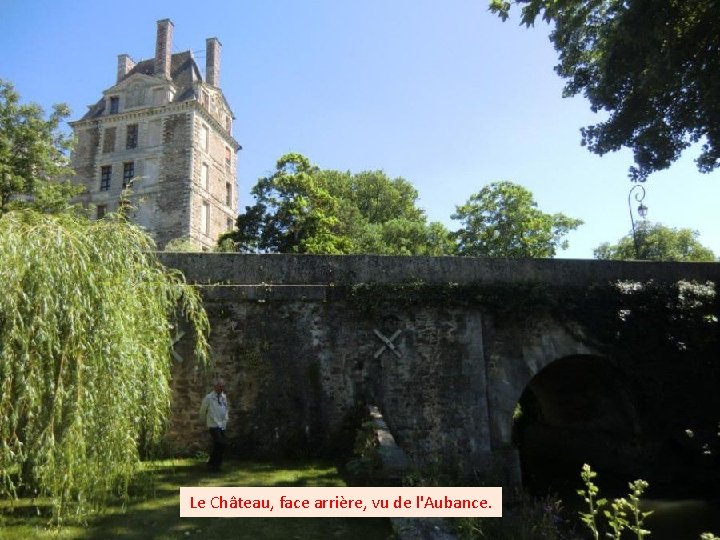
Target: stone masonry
167, 133
298, 356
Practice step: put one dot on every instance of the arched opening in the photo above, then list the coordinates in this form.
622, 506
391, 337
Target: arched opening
578, 409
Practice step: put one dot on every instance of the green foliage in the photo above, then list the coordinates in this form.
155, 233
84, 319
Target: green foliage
152, 511
33, 156
380, 199
656, 242
617, 518
401, 236
625, 319
373, 298
85, 336
183, 244
590, 496
301, 208
624, 514
365, 466
525, 518
637, 488
295, 212
502, 220
226, 245
650, 65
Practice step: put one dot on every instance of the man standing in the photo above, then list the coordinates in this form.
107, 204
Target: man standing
214, 413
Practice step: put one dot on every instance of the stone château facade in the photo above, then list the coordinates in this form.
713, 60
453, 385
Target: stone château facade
167, 133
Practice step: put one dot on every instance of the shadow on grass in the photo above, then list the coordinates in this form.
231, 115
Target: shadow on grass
153, 508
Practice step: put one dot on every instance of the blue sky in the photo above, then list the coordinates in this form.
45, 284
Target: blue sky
441, 93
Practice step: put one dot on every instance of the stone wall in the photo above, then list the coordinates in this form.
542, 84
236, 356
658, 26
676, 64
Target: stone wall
285, 269
297, 365
299, 355
84, 156
172, 201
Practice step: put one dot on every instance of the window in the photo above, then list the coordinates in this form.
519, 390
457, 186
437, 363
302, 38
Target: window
131, 138
205, 138
228, 194
228, 123
105, 176
227, 157
204, 176
128, 173
205, 218
101, 210
109, 140
205, 100
229, 223
114, 105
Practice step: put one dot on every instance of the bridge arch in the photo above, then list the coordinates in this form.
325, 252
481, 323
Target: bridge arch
514, 356
578, 409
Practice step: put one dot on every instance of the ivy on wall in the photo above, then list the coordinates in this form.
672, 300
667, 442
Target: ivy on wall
620, 317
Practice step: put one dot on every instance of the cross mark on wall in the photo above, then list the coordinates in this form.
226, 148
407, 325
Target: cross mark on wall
388, 343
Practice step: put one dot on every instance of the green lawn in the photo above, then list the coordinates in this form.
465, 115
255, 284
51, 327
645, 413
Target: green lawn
155, 512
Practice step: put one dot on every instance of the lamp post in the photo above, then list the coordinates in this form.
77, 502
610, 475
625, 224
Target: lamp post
641, 210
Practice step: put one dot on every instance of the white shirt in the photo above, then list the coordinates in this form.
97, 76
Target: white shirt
214, 410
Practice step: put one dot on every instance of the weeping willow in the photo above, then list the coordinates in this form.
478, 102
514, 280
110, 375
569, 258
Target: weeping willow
86, 322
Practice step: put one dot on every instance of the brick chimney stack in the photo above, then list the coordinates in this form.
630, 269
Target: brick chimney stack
163, 48
125, 64
212, 61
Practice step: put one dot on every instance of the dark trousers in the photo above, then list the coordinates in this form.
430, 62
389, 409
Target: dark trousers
218, 448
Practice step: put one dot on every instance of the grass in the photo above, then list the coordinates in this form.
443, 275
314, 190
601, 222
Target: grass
153, 511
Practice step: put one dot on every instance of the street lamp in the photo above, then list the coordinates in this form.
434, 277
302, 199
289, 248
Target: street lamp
641, 210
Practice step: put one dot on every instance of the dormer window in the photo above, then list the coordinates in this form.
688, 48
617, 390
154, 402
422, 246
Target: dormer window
114, 105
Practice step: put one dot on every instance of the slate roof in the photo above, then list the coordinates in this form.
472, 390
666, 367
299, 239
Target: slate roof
183, 71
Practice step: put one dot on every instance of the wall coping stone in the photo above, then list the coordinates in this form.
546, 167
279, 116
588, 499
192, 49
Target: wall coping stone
292, 269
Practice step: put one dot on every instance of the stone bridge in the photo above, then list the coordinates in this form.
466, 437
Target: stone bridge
482, 382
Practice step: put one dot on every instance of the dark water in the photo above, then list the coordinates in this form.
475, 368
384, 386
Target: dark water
682, 519
672, 519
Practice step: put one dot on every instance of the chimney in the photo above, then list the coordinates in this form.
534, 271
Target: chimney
125, 64
212, 61
163, 48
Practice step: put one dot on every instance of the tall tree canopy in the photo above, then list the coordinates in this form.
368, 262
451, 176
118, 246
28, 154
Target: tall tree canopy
502, 220
652, 66
656, 242
33, 155
85, 336
301, 208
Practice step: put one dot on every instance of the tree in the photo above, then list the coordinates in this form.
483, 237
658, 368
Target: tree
33, 155
294, 213
502, 220
651, 65
301, 208
656, 242
381, 199
85, 337
403, 236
